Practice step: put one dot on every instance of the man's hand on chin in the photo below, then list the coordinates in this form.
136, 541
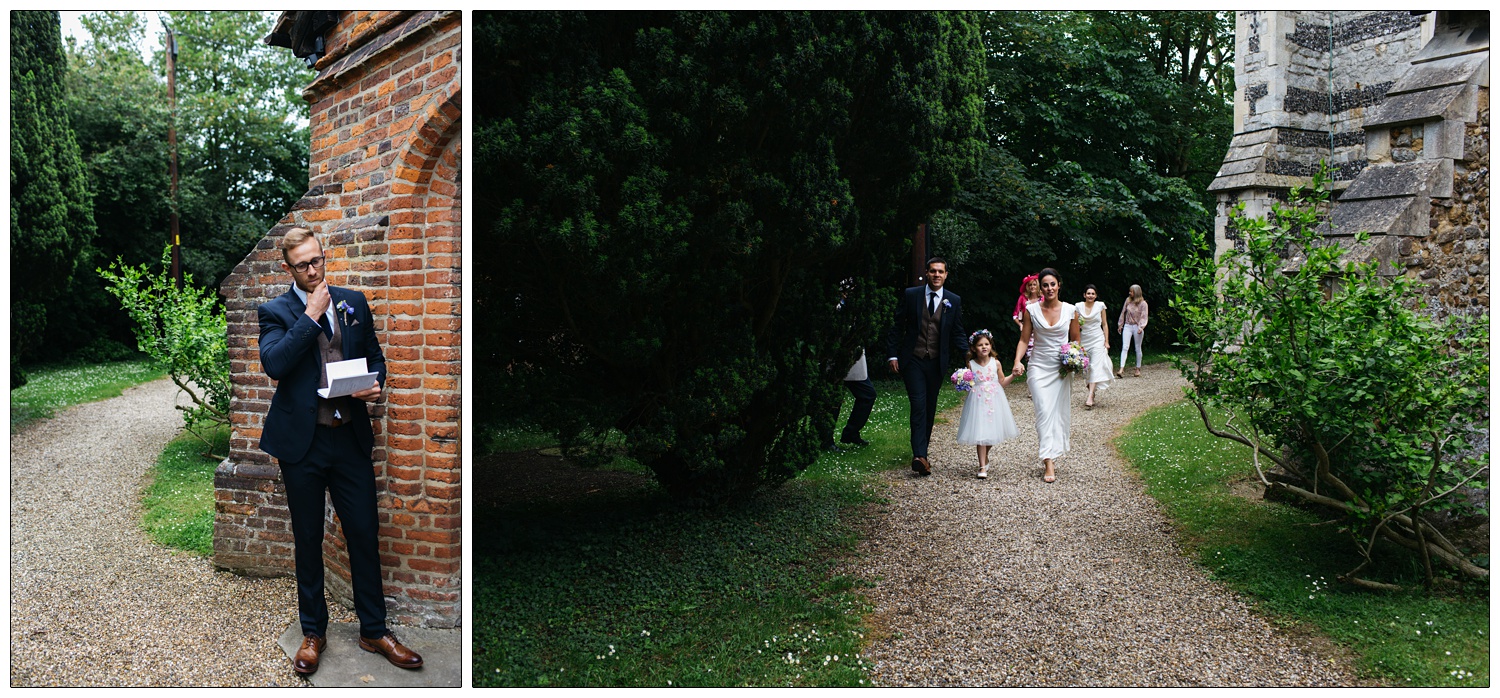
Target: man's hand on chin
368, 395
318, 301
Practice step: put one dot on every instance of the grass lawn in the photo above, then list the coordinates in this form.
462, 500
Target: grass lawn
621, 588
1288, 568
52, 388
179, 503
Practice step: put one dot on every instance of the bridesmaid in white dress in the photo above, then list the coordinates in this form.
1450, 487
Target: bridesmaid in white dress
1093, 325
1053, 323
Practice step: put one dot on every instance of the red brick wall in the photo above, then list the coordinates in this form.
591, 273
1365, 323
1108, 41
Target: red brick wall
383, 196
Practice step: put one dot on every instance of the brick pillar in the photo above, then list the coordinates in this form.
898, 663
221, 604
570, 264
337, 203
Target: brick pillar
384, 198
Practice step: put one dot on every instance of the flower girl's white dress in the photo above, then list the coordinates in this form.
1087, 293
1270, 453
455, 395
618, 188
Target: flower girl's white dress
986, 419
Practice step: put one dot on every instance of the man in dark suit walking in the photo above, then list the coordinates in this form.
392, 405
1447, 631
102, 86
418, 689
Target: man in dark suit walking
324, 444
929, 325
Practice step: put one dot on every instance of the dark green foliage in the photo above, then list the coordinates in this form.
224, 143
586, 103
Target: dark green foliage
1375, 411
51, 215
1106, 129
120, 112
669, 201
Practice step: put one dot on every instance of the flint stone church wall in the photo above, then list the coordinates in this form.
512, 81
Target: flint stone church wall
1398, 104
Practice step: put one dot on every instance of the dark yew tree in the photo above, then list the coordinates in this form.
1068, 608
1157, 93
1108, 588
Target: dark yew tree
51, 214
668, 203
1106, 129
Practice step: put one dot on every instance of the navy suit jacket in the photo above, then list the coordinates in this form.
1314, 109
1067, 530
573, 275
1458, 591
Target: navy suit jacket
289, 355
901, 340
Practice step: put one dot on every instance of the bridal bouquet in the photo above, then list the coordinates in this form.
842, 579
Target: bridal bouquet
1073, 359
963, 380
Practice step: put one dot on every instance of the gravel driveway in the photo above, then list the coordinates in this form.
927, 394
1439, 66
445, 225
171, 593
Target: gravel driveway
1011, 581
93, 601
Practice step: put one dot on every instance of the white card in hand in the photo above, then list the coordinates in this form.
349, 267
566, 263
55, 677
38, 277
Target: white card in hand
347, 377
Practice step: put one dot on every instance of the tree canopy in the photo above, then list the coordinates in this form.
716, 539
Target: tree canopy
670, 202
243, 150
1106, 128
241, 129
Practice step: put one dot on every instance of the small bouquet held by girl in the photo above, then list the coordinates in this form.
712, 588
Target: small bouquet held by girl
1073, 359
963, 380
986, 419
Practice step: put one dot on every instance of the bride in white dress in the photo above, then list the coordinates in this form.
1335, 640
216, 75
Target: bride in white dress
1052, 323
1093, 324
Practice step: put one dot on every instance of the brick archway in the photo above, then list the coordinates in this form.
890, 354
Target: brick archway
420, 473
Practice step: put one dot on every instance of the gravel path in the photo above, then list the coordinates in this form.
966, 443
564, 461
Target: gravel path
93, 601
1011, 581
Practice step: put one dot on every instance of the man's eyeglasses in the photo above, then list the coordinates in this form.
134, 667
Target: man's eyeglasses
301, 267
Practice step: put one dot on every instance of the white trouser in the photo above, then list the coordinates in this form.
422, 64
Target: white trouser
1132, 332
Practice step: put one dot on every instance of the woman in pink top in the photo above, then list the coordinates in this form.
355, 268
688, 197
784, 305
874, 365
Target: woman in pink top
1031, 292
1133, 318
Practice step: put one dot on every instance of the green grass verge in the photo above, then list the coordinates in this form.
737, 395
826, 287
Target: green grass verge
52, 388
178, 505
624, 589
1271, 552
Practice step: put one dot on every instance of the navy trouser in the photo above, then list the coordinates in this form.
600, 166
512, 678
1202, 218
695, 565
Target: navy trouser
864, 402
923, 378
335, 463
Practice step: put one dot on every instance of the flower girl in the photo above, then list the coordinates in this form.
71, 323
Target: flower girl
986, 419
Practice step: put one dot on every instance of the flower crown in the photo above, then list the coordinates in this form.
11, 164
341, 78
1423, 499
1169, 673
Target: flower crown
981, 333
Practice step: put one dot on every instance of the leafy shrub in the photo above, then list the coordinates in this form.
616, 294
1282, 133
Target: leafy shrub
182, 328
1373, 410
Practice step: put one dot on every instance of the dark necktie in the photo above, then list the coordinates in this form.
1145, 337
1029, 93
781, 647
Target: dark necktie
323, 323
931, 303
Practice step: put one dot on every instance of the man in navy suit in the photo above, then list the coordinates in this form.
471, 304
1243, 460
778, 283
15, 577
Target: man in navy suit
324, 444
929, 325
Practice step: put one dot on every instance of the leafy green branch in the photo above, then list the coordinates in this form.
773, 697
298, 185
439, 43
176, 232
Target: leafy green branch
184, 329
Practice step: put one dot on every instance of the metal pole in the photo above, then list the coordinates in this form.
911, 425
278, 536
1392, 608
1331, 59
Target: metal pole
919, 254
172, 145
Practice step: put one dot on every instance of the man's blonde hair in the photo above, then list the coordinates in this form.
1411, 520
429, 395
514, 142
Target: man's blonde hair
294, 239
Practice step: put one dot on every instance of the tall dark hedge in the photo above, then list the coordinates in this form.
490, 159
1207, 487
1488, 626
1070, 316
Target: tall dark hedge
667, 203
51, 214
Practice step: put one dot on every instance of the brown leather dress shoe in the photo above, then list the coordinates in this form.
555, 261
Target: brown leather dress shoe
395, 652
926, 467
306, 660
